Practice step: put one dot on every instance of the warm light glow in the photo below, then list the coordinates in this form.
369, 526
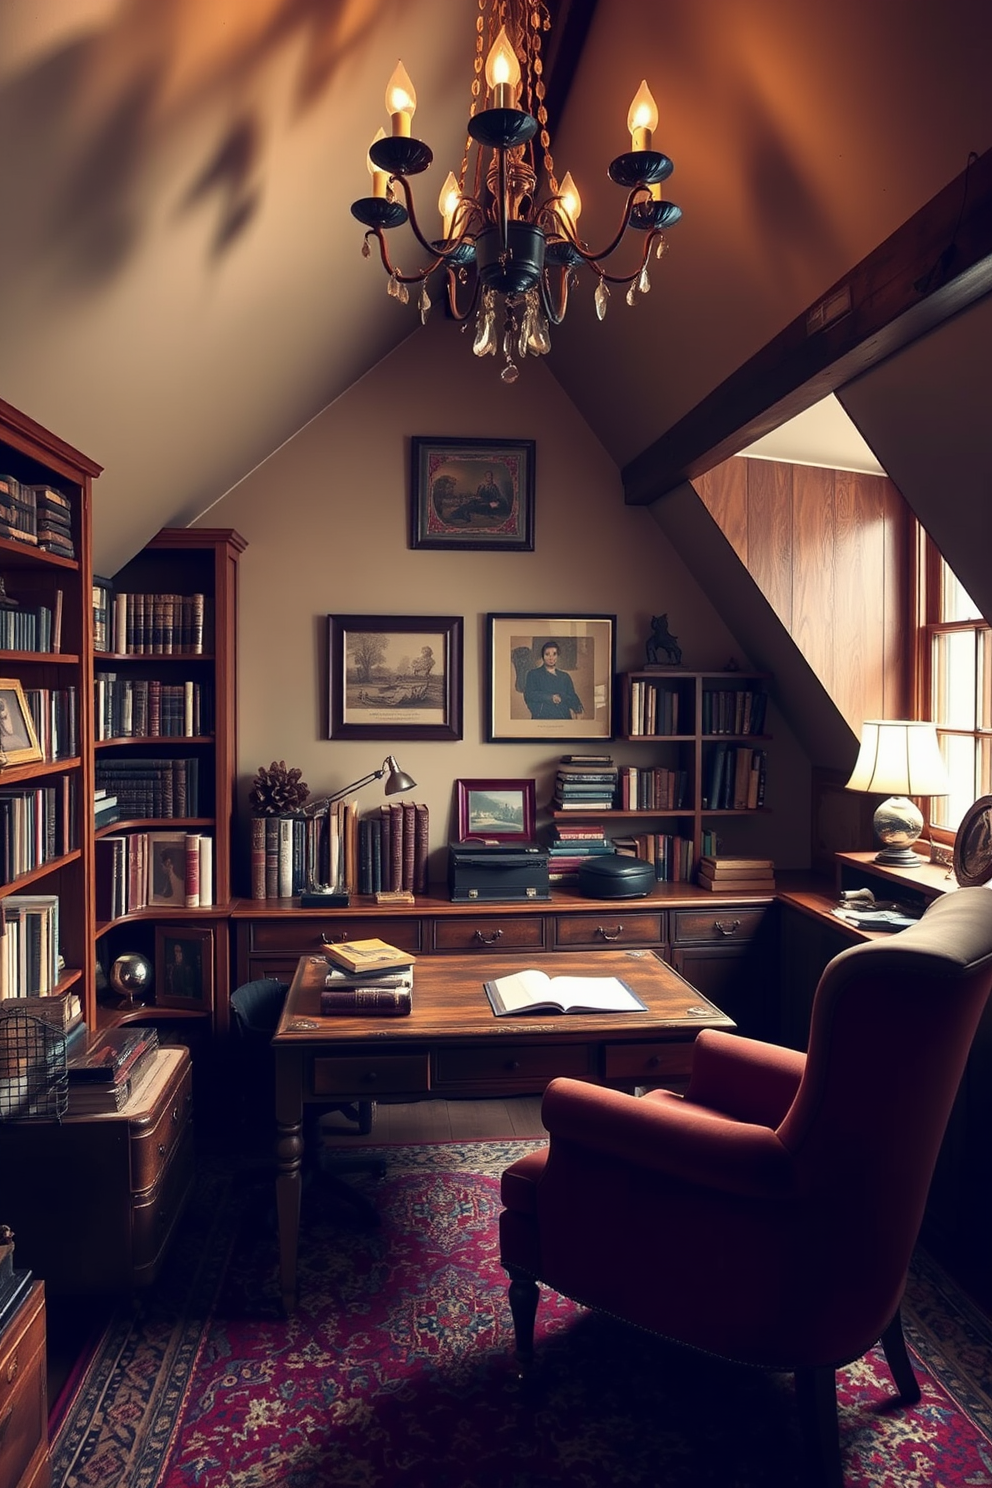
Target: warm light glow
642, 118
899, 757
570, 204
401, 100
379, 177
503, 72
447, 202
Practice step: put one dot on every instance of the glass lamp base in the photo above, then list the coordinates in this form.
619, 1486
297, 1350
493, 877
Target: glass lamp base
898, 823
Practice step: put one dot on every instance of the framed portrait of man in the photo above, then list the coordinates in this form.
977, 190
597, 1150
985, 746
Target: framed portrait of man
551, 677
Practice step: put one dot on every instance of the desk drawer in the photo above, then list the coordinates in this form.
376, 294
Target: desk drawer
531, 1065
370, 1075
156, 1212
609, 927
23, 1415
302, 935
648, 1062
728, 922
483, 932
152, 1150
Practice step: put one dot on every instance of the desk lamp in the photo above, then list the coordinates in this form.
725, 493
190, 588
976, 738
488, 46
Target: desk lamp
901, 756
397, 781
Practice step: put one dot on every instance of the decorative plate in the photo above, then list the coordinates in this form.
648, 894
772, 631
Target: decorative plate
973, 844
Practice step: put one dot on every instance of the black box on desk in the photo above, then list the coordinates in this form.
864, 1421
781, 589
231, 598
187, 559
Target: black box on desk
498, 874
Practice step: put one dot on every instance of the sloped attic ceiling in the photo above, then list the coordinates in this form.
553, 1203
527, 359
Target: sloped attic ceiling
181, 283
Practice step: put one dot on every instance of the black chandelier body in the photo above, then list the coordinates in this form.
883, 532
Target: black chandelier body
503, 247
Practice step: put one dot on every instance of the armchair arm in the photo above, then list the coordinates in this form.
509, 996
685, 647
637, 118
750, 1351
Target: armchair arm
675, 1139
744, 1078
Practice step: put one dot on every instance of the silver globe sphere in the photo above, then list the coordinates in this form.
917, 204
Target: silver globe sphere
131, 975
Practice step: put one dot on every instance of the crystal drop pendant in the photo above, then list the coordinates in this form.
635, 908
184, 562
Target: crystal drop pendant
425, 304
485, 327
366, 250
510, 372
601, 300
404, 294
539, 340
631, 295
644, 283
393, 287
662, 248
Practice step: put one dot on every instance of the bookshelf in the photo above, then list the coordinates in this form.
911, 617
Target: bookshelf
706, 732
51, 662
165, 746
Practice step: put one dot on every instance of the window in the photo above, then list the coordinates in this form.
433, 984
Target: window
955, 686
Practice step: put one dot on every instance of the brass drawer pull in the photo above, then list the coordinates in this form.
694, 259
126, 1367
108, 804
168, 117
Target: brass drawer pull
726, 929
339, 937
175, 1115
610, 934
490, 939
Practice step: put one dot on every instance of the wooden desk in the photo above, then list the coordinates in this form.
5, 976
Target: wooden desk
452, 1045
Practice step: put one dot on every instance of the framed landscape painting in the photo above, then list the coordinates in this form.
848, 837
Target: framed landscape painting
496, 810
472, 494
551, 677
395, 676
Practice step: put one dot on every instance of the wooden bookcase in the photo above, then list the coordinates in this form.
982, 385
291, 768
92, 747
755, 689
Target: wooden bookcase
696, 714
34, 456
182, 562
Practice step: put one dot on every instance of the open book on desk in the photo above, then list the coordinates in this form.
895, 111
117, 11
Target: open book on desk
533, 991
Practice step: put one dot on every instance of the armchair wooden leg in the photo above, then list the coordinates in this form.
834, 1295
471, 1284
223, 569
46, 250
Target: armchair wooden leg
524, 1296
898, 1360
816, 1393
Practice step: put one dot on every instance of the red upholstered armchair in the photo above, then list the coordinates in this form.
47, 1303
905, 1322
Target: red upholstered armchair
769, 1215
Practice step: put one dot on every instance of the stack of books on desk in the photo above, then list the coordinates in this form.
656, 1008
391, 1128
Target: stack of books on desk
737, 875
106, 1068
585, 783
367, 977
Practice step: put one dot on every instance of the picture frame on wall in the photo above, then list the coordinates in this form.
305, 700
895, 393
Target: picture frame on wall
395, 677
184, 966
496, 810
550, 677
18, 740
472, 494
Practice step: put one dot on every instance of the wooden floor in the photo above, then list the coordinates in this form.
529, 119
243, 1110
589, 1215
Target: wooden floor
443, 1121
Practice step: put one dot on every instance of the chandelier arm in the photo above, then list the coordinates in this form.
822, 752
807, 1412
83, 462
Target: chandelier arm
652, 238
555, 313
595, 258
457, 314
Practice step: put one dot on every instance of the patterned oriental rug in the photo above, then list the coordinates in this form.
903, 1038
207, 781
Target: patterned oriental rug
397, 1370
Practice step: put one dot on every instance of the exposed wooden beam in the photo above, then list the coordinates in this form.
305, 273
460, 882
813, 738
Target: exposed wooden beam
935, 265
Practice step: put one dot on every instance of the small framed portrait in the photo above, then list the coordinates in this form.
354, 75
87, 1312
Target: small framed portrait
18, 740
395, 676
167, 869
496, 810
184, 966
551, 677
472, 494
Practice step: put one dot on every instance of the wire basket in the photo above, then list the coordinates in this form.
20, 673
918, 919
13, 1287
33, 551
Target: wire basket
33, 1078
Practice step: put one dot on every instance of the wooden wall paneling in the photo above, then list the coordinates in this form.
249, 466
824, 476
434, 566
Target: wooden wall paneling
723, 492
813, 597
899, 619
770, 541
859, 596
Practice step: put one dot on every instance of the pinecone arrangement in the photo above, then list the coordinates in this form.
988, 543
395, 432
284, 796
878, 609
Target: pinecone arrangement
277, 791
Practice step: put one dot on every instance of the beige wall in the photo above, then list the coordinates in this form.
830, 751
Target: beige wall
326, 520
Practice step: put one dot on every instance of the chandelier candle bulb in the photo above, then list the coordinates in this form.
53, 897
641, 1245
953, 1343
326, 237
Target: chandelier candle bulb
380, 178
642, 118
503, 72
401, 101
447, 203
569, 204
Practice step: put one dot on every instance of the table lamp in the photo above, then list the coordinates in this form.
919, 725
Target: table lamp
901, 756
397, 781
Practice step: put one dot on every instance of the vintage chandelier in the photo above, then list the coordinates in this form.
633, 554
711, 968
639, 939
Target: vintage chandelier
508, 253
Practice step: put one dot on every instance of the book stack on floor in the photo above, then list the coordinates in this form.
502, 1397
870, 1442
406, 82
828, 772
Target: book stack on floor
106, 1068
367, 977
570, 844
737, 875
585, 782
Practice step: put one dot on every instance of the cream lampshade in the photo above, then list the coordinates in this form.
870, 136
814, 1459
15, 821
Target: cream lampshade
901, 757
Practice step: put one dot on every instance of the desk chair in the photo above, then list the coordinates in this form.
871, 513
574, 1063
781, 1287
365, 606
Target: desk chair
255, 1011
769, 1215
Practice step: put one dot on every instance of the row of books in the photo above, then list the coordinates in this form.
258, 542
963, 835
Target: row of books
152, 788
29, 945
726, 875
129, 624
36, 629
653, 788
585, 782
168, 870
734, 710
55, 717
654, 709
569, 846
147, 708
37, 825
673, 856
37, 515
734, 778
392, 848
